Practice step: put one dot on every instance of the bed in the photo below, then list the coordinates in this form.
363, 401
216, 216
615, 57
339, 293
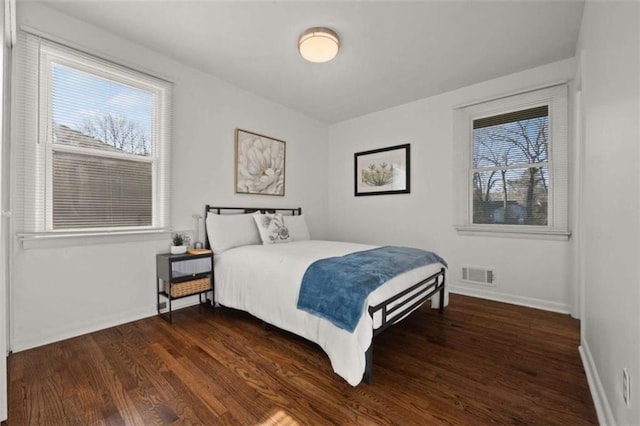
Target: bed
267, 280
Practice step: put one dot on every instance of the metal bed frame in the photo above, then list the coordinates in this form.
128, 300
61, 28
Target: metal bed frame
391, 310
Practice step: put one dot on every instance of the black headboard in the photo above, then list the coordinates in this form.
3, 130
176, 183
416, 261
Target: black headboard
240, 210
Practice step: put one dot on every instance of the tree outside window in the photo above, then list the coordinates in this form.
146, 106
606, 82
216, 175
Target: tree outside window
510, 171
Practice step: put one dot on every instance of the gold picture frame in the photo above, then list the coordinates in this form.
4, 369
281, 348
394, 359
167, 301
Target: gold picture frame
260, 163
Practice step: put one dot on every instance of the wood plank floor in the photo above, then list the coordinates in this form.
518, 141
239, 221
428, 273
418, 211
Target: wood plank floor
480, 362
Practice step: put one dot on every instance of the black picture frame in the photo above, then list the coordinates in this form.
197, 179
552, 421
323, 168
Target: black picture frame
383, 171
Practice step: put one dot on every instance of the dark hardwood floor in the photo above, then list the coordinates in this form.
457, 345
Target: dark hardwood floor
480, 362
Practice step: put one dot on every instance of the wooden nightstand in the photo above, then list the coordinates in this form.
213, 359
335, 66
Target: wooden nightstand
182, 275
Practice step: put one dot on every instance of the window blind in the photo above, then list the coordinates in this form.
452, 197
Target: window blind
510, 117
91, 142
510, 172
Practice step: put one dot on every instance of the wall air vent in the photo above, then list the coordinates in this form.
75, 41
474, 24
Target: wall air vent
478, 275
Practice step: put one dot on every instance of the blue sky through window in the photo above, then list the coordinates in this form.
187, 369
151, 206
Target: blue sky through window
79, 98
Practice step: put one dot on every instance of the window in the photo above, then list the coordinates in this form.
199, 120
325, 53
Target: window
511, 164
92, 143
510, 168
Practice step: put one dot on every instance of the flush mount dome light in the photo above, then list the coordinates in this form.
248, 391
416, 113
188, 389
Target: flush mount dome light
319, 44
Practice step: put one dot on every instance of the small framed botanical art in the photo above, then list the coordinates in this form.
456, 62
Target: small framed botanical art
383, 171
260, 164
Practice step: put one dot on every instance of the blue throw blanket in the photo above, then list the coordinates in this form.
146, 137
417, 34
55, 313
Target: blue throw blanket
336, 288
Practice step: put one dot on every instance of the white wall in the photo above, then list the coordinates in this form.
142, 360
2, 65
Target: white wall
531, 272
610, 75
63, 291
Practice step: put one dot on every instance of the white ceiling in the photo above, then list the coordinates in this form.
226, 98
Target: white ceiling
392, 52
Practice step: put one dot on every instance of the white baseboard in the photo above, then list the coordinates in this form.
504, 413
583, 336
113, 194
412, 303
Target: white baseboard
33, 341
600, 401
530, 302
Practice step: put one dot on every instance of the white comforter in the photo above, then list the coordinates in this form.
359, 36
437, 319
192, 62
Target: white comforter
264, 280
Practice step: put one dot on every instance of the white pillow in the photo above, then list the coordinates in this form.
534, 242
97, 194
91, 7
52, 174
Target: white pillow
227, 231
271, 228
297, 226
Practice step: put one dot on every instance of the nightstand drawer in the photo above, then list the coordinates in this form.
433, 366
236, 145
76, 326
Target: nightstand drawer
190, 267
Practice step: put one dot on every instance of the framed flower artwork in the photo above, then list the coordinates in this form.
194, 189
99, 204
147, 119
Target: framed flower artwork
260, 164
383, 171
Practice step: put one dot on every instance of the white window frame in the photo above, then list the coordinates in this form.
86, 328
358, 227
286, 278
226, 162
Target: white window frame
37, 222
556, 97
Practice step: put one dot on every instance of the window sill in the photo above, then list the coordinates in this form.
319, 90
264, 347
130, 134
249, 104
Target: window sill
67, 239
510, 232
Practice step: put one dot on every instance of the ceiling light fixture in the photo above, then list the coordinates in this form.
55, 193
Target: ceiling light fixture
319, 44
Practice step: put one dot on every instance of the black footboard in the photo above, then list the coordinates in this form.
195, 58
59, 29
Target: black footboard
400, 305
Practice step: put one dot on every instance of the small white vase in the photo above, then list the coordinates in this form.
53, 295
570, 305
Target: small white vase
178, 249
